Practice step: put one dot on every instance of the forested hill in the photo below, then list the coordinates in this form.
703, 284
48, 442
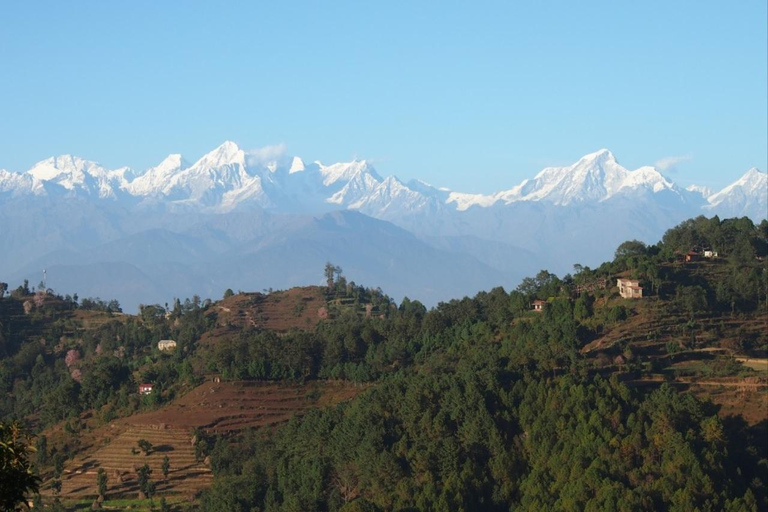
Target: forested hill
597, 402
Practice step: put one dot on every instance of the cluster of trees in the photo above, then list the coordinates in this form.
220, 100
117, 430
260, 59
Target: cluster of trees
483, 438
96, 304
53, 366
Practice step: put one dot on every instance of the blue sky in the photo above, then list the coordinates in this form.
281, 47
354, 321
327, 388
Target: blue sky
475, 96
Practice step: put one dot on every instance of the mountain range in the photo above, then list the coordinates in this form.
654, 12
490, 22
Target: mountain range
232, 220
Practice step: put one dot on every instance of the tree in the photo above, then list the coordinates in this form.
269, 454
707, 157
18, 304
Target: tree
630, 248
17, 480
228, 293
692, 299
42, 451
144, 446
58, 464
329, 272
166, 467
101, 480
146, 486
3, 289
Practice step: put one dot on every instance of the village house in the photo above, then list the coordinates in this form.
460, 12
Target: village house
538, 305
166, 345
692, 256
145, 389
710, 254
629, 288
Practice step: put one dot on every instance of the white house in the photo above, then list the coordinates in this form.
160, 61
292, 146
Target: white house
629, 288
710, 254
166, 345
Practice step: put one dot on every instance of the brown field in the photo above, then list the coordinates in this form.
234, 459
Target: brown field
280, 311
228, 406
216, 407
118, 457
751, 404
652, 324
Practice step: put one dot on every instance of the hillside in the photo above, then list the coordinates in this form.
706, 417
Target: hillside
375, 383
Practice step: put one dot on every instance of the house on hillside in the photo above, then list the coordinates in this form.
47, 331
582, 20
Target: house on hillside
166, 345
145, 389
710, 254
692, 256
538, 305
629, 288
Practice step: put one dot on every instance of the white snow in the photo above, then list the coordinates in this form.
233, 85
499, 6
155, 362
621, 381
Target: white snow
297, 165
747, 196
699, 189
223, 179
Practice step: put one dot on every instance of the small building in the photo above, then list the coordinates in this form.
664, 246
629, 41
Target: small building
145, 389
692, 256
166, 345
710, 254
538, 305
629, 288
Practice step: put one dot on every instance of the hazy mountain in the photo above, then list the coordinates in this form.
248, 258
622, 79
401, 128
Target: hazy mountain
157, 265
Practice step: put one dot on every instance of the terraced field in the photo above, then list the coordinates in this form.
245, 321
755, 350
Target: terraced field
230, 406
120, 458
281, 311
221, 407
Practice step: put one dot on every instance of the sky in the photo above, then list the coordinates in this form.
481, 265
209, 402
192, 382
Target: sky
475, 96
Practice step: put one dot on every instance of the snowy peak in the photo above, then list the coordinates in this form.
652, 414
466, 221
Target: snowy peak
73, 166
228, 153
173, 162
595, 177
156, 178
753, 182
345, 172
79, 176
360, 181
599, 157
297, 165
16, 184
747, 196
646, 178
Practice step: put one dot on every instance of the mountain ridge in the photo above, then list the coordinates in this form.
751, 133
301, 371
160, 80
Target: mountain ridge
223, 180
236, 220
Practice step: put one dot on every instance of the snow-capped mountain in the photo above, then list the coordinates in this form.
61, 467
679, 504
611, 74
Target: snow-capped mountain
226, 179
595, 177
81, 177
239, 219
155, 178
14, 184
747, 196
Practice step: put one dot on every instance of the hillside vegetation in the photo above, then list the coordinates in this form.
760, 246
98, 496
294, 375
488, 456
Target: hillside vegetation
597, 402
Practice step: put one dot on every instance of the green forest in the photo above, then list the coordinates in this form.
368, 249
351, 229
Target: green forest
479, 403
